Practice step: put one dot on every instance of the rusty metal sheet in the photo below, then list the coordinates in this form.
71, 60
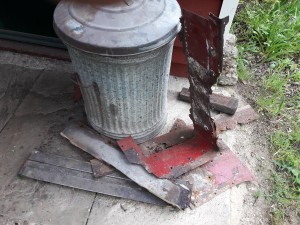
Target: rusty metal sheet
180, 150
223, 172
86, 139
175, 137
167, 161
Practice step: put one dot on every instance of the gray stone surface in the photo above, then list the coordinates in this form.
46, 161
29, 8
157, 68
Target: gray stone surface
30, 200
15, 84
229, 74
36, 126
125, 212
48, 97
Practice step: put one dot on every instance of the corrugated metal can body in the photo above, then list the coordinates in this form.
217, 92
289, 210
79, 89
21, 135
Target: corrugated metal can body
125, 95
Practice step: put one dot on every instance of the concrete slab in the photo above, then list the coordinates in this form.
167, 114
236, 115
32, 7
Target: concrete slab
15, 84
118, 211
51, 92
14, 144
36, 125
176, 109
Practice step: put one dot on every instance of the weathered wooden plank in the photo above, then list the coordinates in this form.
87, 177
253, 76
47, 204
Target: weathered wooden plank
28, 199
68, 162
78, 174
57, 160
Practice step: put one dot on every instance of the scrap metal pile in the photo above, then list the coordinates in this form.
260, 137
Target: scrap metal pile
183, 168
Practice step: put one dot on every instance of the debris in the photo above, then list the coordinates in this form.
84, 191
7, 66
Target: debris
78, 174
100, 168
243, 115
178, 124
218, 174
184, 148
184, 95
218, 102
175, 194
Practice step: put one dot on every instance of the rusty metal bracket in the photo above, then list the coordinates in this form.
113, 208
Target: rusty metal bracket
169, 155
202, 40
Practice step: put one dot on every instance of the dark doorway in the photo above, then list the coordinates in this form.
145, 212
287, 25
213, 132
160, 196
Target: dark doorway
30, 16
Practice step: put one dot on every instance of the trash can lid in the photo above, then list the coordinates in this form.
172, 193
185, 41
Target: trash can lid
117, 27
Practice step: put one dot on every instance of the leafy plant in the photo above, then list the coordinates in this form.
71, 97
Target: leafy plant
269, 37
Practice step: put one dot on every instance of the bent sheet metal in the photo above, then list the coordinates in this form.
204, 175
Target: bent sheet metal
89, 141
205, 182
223, 171
203, 44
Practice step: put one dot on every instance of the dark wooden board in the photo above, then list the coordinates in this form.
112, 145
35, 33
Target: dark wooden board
78, 174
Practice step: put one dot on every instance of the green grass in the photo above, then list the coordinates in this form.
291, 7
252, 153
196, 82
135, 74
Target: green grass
274, 28
269, 37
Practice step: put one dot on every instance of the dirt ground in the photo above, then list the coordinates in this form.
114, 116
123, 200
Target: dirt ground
265, 127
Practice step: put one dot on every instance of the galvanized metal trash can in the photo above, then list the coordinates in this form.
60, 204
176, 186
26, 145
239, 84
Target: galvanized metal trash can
121, 50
